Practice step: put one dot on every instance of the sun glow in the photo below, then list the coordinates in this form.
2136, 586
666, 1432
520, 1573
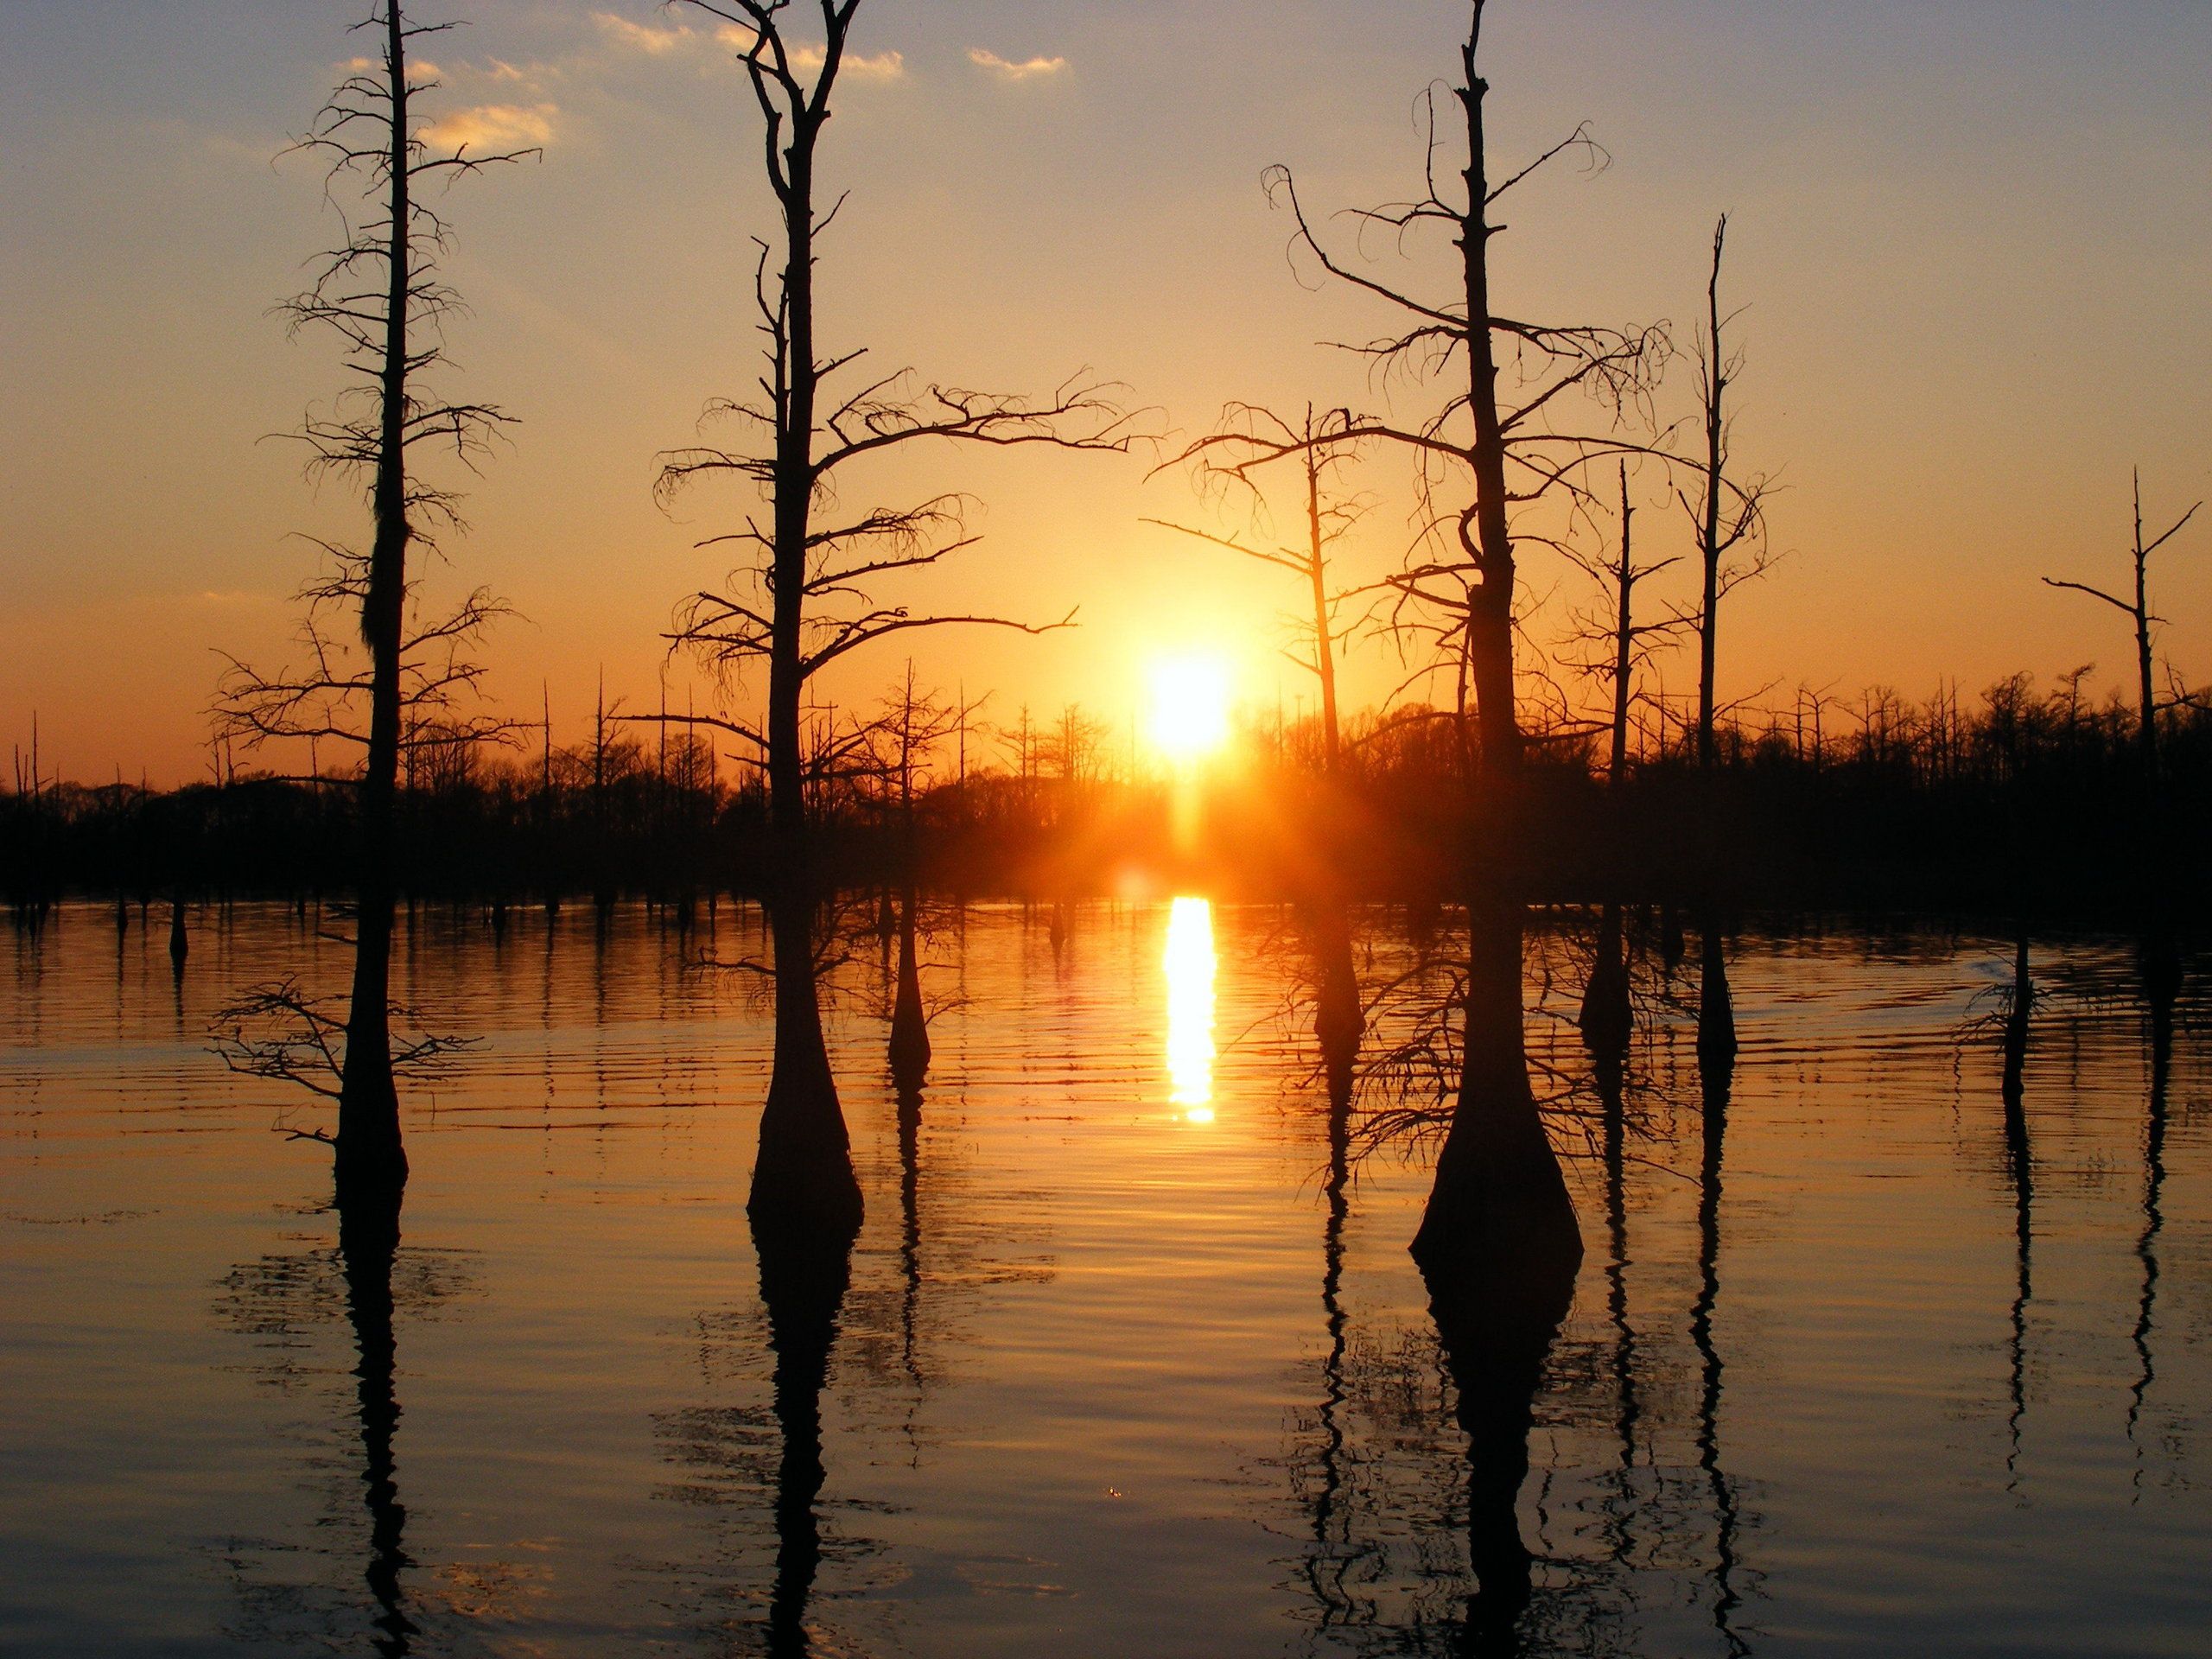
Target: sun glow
1189, 707
1190, 964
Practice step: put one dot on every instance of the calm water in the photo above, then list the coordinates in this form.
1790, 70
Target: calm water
1121, 1370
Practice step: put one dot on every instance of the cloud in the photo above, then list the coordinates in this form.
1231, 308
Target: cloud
640, 37
1028, 69
494, 126
805, 57
884, 66
417, 68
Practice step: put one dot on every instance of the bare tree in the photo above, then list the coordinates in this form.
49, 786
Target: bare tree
1613, 646
1729, 515
380, 291
1619, 646
1730, 523
1328, 514
2137, 610
801, 601
1495, 445
2159, 949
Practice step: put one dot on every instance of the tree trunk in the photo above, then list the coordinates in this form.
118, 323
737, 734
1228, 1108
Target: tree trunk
910, 1026
1499, 1197
803, 1178
369, 1153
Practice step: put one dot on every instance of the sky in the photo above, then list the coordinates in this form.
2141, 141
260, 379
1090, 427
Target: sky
1969, 238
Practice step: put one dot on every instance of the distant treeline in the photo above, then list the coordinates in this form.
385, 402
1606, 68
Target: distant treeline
2016, 799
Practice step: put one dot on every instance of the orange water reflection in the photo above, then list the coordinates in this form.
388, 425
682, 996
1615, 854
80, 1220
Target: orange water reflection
1190, 964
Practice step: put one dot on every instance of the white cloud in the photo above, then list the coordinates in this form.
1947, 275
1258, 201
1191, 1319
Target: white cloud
1028, 69
494, 126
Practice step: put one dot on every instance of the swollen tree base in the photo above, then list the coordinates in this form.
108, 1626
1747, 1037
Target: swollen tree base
369, 1158
910, 1026
805, 1196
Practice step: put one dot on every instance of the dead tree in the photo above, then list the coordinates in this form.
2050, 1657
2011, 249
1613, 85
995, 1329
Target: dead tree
2138, 611
380, 292
1491, 449
1327, 514
1729, 519
911, 728
2160, 953
1618, 647
801, 601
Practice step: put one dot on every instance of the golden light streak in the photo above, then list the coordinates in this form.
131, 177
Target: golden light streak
1190, 963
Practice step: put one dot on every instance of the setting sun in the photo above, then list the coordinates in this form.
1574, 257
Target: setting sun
1190, 706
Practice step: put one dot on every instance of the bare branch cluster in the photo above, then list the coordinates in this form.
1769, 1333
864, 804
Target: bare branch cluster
280, 1030
365, 133
324, 697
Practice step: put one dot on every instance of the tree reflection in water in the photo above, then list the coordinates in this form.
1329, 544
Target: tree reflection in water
1423, 1531
285, 1303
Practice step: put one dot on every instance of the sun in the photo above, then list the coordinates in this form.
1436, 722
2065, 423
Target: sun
1190, 706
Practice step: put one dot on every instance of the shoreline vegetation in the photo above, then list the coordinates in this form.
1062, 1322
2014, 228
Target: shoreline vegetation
2019, 800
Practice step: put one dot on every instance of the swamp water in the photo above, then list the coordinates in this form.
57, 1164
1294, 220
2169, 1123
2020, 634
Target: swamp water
1858, 1368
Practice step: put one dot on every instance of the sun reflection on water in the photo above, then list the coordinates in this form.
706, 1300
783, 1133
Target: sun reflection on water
1190, 965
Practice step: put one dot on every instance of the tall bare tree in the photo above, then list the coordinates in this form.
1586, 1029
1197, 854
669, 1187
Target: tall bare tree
1490, 449
1730, 522
800, 602
2139, 612
2159, 951
1327, 514
1618, 647
380, 291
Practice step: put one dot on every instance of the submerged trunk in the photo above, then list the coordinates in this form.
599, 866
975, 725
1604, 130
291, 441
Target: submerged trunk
802, 1179
1606, 1019
1500, 1200
910, 1026
2016, 1025
1339, 1018
1716, 1005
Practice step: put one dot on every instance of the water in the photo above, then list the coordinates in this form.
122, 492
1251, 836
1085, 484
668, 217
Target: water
1119, 1370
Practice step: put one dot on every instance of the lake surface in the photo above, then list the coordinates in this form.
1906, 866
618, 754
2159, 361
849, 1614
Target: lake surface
1121, 1370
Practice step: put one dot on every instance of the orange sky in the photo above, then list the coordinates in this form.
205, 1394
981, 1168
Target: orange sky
1970, 236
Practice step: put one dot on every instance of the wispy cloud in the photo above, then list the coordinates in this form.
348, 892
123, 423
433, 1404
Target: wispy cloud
641, 37
494, 126
737, 39
1006, 69
884, 66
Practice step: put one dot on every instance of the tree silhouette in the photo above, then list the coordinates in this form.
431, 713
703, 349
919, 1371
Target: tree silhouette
1619, 645
380, 290
801, 601
1493, 444
2137, 610
1730, 521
